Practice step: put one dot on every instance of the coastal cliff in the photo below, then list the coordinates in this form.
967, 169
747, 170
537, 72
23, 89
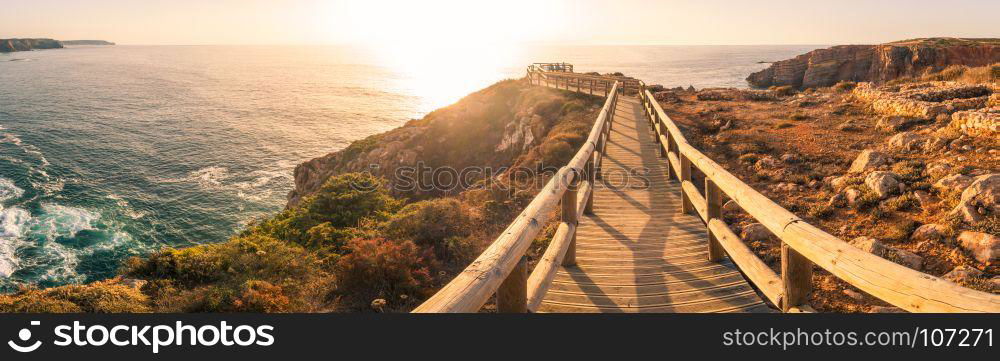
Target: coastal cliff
876, 63
12, 45
507, 124
87, 42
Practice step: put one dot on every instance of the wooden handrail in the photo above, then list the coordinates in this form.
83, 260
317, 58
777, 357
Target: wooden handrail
498, 270
803, 243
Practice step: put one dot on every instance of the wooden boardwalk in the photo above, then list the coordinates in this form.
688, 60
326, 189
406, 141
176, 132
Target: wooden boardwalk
637, 253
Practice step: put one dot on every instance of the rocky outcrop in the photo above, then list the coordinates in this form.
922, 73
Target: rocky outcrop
508, 124
875, 63
11, 45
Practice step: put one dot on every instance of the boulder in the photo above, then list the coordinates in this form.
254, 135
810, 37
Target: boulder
953, 183
962, 273
983, 192
839, 182
790, 158
938, 170
767, 163
900, 256
929, 232
755, 232
869, 160
883, 183
910, 141
984, 247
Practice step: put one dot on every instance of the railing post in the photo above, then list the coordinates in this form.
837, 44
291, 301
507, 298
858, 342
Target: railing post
685, 173
569, 216
591, 177
671, 147
796, 276
713, 199
512, 296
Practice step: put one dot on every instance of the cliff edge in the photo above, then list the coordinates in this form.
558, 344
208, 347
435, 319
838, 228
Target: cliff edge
12, 45
876, 63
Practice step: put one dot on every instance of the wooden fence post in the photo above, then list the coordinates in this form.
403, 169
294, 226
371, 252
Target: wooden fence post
713, 199
569, 216
685, 173
512, 296
796, 276
591, 177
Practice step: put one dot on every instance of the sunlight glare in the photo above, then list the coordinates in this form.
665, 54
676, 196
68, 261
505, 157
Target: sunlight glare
445, 49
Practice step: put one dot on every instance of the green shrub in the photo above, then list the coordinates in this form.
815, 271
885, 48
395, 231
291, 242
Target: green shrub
902, 203
910, 170
439, 224
344, 201
821, 211
251, 273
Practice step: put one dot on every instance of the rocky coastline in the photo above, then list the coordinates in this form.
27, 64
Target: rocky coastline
876, 63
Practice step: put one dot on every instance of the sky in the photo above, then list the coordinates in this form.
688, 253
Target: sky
574, 22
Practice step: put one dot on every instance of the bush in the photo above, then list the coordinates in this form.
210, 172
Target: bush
845, 86
821, 211
439, 224
344, 201
910, 170
250, 273
108, 296
379, 268
783, 125
784, 90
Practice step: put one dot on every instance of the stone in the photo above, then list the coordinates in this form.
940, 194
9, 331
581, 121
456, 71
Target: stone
984, 247
766, 163
938, 170
786, 187
906, 258
903, 257
838, 200
962, 273
893, 123
852, 195
925, 199
983, 192
731, 207
910, 141
929, 232
790, 158
839, 182
378, 304
953, 183
869, 160
854, 294
967, 213
869, 245
755, 232
882, 183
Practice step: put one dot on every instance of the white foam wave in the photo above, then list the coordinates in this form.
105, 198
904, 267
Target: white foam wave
12, 222
9, 190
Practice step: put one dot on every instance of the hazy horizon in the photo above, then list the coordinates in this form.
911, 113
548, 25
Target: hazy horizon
430, 24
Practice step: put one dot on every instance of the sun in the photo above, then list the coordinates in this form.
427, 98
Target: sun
444, 49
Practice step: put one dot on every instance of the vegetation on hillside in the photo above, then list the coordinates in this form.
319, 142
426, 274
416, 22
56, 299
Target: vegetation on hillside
352, 245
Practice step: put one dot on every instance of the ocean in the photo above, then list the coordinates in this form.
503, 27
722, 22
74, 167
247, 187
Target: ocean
111, 152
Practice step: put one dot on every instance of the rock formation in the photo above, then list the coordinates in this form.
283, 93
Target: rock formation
876, 63
11, 45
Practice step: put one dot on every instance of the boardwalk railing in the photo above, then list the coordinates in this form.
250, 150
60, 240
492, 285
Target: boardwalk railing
502, 268
803, 245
